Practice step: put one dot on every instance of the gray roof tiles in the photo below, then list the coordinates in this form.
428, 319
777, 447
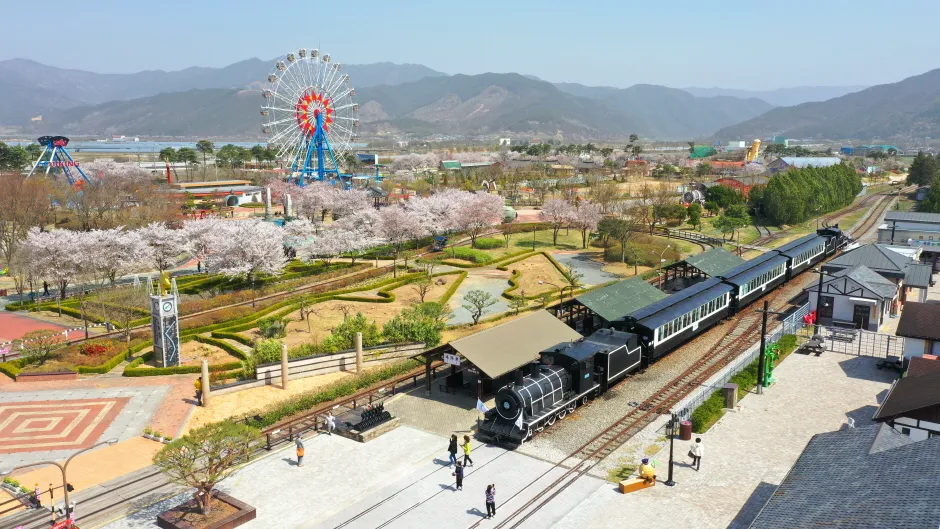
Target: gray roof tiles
920, 320
918, 275
715, 261
913, 216
616, 301
859, 478
875, 256
869, 279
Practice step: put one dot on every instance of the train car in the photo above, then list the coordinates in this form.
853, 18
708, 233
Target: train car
567, 375
668, 323
803, 253
752, 279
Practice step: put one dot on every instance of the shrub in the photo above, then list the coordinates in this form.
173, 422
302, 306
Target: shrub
97, 348
251, 205
415, 324
304, 350
489, 243
273, 327
344, 335
267, 351
708, 412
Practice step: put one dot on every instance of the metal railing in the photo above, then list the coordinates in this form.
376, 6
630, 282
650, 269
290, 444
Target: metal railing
855, 341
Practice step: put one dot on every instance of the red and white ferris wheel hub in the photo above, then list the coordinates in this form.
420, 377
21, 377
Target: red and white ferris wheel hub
310, 105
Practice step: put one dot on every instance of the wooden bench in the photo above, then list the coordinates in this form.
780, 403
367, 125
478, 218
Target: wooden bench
634, 484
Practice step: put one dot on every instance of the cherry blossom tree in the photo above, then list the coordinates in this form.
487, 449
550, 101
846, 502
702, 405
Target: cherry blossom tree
202, 238
477, 213
585, 218
438, 213
247, 248
397, 226
162, 245
57, 256
114, 253
347, 202
558, 213
359, 231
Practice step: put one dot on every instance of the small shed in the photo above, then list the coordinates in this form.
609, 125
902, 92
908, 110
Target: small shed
912, 406
920, 327
599, 308
856, 297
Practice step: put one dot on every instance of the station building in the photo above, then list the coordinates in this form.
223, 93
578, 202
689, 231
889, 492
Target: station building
913, 229
231, 192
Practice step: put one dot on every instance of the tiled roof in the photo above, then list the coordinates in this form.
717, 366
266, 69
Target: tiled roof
859, 478
918, 275
877, 257
869, 279
621, 299
913, 216
920, 320
909, 394
919, 365
715, 261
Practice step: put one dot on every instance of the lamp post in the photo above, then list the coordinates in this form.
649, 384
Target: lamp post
62, 468
673, 425
661, 261
561, 295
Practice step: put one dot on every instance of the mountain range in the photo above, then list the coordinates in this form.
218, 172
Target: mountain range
906, 109
781, 97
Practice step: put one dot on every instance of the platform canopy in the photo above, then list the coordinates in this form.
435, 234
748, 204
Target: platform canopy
714, 262
499, 350
621, 299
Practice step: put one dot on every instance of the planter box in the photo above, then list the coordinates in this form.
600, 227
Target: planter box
41, 377
245, 513
371, 433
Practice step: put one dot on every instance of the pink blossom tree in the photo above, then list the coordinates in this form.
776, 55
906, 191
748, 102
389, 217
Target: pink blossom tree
477, 213
202, 237
114, 253
58, 256
162, 245
437, 213
247, 248
397, 226
558, 213
586, 218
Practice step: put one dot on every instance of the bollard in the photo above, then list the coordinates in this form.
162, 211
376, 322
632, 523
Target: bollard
205, 384
283, 366
358, 352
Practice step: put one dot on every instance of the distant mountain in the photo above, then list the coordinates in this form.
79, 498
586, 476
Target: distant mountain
781, 97
458, 104
898, 110
20, 101
672, 113
89, 88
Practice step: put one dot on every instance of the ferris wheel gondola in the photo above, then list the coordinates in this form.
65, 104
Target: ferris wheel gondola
310, 114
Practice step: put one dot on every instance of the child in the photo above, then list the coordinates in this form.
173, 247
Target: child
452, 449
466, 451
490, 501
300, 452
459, 473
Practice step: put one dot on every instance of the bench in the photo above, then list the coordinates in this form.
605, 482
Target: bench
815, 345
843, 334
634, 484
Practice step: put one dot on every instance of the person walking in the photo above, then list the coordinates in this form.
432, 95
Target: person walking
37, 497
452, 449
490, 501
696, 454
198, 385
458, 472
466, 451
330, 423
45, 288
300, 451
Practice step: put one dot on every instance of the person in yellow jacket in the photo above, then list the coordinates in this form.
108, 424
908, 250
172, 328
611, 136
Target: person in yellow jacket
198, 385
466, 451
647, 472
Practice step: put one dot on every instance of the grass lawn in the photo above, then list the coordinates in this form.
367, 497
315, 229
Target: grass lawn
567, 240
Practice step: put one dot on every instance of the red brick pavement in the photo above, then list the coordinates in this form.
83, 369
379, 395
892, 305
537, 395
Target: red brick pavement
169, 418
14, 326
56, 425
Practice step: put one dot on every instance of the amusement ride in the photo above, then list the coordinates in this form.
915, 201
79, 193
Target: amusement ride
312, 117
54, 156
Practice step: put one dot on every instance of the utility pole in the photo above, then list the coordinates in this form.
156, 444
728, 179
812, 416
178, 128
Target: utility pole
818, 299
763, 347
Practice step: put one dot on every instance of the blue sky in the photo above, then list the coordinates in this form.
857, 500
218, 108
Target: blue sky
750, 45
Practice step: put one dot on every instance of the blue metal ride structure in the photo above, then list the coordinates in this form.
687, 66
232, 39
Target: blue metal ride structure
322, 169
54, 156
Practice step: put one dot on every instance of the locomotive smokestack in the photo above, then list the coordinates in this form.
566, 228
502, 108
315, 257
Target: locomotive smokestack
534, 369
518, 377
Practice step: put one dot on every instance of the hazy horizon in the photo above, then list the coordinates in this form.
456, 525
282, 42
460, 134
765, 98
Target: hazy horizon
604, 43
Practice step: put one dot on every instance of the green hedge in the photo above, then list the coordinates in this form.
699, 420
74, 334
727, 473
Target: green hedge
234, 336
225, 346
489, 243
453, 287
306, 401
12, 368
179, 370
515, 258
708, 413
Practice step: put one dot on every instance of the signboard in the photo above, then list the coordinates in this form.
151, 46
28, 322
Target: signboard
451, 359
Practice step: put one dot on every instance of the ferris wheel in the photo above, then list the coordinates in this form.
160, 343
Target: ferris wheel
311, 115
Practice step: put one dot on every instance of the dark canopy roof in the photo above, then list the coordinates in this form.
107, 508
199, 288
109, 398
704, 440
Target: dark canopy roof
714, 262
918, 275
794, 248
913, 216
878, 257
869, 279
668, 309
858, 478
601, 340
621, 299
910, 394
920, 320
750, 269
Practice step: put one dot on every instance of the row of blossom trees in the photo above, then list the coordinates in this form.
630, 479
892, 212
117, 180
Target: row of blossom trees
583, 216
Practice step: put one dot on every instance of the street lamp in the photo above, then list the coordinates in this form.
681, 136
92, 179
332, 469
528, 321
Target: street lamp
661, 261
561, 294
62, 468
673, 426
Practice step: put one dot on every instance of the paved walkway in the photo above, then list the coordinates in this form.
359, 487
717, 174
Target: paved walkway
747, 453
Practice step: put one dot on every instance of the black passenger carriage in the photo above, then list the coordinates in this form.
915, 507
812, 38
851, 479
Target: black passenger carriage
754, 278
803, 253
670, 322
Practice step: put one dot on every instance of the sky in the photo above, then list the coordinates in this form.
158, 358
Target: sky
680, 43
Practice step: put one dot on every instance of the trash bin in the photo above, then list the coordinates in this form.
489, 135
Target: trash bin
685, 431
731, 396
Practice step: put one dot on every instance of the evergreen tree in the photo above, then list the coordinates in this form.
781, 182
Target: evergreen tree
923, 170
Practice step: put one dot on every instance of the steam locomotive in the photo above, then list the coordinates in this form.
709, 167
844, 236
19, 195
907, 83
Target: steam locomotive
570, 374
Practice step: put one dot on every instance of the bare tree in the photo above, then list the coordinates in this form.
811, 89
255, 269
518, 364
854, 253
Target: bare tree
308, 309
605, 194
422, 287
345, 309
